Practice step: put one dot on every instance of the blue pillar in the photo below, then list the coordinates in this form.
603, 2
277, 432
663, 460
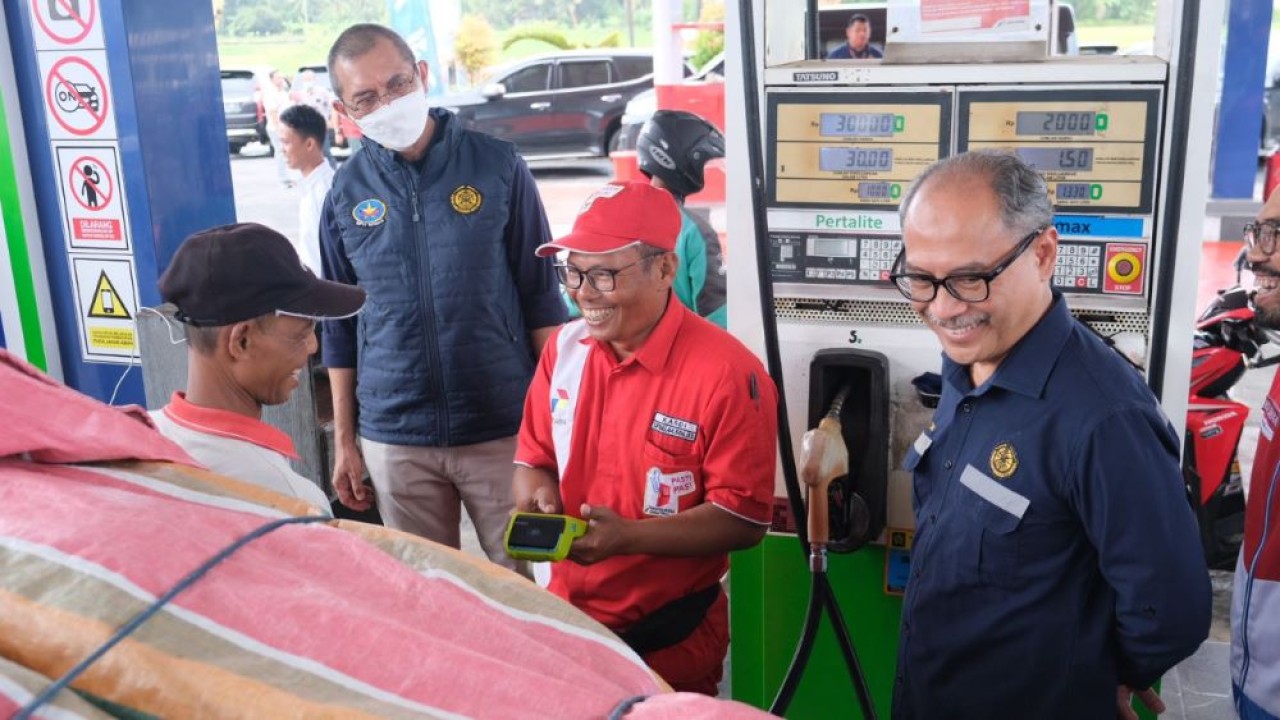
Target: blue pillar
127, 147
1235, 159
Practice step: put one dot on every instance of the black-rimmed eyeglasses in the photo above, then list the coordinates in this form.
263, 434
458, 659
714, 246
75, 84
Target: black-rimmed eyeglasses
965, 287
1262, 235
602, 279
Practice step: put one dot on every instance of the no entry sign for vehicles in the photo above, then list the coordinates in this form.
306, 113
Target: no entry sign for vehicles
77, 95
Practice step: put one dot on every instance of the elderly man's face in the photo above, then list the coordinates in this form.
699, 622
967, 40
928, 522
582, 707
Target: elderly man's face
273, 355
624, 316
1266, 266
376, 78
954, 227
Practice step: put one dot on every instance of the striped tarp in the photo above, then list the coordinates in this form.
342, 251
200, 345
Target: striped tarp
325, 620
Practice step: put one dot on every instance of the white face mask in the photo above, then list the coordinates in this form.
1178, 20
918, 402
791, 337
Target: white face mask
398, 124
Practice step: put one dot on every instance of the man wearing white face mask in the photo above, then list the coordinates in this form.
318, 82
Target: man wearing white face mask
439, 225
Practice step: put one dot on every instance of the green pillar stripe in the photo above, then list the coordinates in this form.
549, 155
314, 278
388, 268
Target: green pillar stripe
19, 259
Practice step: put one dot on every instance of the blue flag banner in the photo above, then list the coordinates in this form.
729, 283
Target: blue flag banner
412, 19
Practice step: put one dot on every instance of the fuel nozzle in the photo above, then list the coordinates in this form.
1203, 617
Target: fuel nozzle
823, 458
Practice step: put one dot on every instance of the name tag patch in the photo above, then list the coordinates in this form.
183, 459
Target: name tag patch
662, 491
675, 427
993, 492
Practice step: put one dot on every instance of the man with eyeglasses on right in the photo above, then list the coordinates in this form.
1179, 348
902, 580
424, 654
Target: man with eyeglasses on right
1255, 600
439, 225
1056, 567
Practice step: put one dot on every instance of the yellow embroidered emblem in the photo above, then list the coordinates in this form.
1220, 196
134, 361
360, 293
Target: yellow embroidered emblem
1004, 461
466, 199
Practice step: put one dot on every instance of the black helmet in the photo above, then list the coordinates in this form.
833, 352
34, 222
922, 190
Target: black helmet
674, 145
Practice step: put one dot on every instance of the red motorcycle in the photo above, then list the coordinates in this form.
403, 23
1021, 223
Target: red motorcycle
1228, 341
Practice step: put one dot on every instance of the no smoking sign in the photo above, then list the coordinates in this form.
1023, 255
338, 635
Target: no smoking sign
77, 95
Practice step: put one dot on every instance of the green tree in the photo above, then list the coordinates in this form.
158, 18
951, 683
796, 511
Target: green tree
476, 46
553, 36
708, 43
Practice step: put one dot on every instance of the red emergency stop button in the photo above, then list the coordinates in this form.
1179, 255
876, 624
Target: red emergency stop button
1125, 269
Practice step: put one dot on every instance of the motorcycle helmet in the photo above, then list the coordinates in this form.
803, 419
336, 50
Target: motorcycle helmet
674, 145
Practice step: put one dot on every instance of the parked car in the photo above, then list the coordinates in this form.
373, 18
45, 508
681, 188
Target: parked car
241, 106
645, 104
565, 104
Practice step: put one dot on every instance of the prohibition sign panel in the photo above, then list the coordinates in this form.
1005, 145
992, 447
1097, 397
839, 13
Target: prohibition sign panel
92, 194
77, 95
66, 24
106, 305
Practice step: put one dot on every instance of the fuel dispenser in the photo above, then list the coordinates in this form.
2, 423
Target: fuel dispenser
841, 144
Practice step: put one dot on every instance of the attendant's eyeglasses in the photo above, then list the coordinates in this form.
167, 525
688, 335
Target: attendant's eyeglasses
966, 287
602, 279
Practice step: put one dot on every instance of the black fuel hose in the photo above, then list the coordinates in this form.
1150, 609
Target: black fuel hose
821, 595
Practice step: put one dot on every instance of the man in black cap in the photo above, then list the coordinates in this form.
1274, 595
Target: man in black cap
249, 308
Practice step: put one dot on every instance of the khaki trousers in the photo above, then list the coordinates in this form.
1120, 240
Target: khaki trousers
419, 490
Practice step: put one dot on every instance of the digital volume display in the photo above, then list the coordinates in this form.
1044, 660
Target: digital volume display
1048, 159
1072, 191
842, 159
1056, 123
855, 124
873, 191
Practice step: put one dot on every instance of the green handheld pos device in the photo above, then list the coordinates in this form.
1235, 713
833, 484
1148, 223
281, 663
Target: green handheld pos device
531, 536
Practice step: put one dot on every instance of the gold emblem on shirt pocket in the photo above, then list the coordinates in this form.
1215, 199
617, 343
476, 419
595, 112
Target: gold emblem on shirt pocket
1004, 461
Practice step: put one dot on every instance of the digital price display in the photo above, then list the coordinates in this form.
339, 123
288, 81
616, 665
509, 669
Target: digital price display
853, 149
1072, 191
1095, 147
875, 191
833, 247
1051, 159
852, 159
1056, 123
856, 124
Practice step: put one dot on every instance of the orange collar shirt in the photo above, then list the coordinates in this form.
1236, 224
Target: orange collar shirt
690, 418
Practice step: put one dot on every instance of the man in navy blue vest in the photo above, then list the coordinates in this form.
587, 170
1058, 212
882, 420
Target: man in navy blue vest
439, 225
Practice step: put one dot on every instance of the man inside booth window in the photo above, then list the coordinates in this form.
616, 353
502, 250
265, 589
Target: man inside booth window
1056, 568
858, 41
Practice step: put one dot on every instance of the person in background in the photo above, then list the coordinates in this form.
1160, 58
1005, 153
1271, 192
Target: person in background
858, 41
657, 428
439, 225
308, 91
249, 309
1057, 568
275, 98
302, 131
672, 150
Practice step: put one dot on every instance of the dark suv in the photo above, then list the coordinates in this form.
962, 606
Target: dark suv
566, 104
240, 105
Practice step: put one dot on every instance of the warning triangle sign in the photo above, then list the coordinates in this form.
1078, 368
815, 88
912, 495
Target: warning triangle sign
106, 301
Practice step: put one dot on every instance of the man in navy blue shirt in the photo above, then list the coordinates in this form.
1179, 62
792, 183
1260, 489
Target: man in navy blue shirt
1056, 567
858, 35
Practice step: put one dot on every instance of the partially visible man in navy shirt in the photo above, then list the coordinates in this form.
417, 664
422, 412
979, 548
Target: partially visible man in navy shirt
858, 47
1056, 567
